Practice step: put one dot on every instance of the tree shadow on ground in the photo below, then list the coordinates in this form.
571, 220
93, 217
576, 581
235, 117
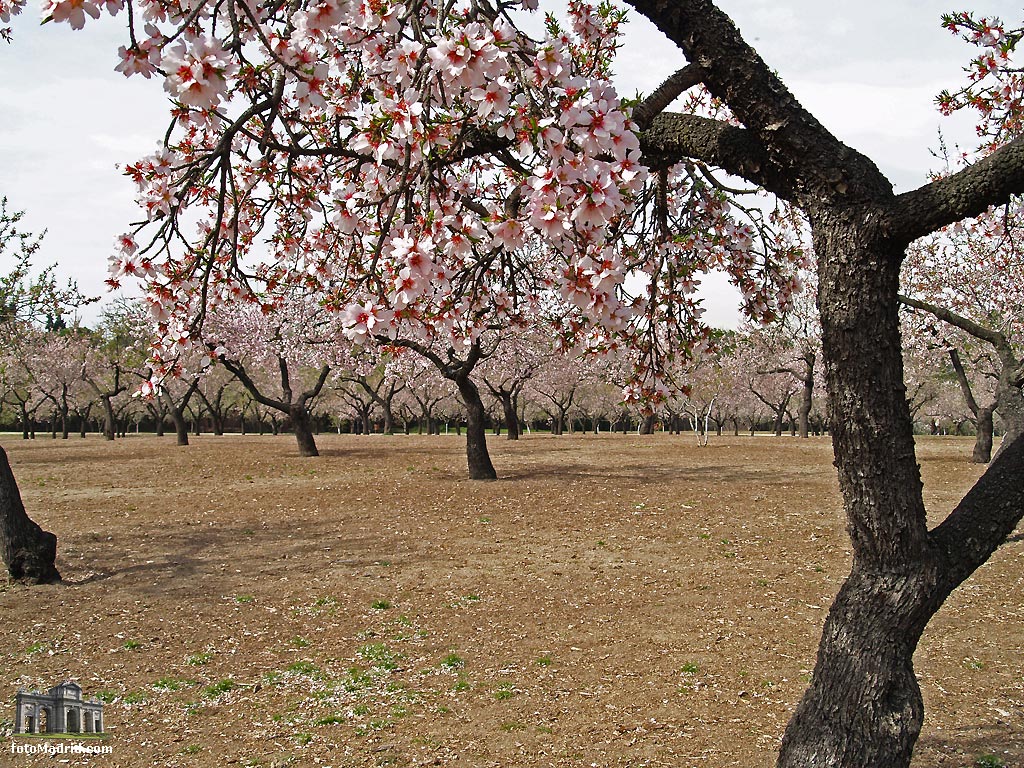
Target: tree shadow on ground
181, 557
703, 474
969, 749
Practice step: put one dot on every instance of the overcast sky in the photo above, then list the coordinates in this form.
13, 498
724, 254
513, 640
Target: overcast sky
869, 71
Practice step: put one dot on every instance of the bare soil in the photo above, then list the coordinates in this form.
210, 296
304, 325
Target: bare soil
611, 601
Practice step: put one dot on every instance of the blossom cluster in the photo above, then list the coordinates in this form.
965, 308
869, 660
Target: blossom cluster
419, 171
995, 88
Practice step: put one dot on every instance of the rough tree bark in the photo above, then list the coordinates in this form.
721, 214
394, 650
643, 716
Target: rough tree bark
29, 552
863, 707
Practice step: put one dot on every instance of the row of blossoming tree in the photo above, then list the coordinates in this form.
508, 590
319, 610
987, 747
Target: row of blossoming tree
756, 378
427, 175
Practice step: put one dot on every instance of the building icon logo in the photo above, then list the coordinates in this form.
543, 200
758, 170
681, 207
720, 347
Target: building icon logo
61, 710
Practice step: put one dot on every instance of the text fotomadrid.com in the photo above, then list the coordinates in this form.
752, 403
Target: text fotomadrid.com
61, 749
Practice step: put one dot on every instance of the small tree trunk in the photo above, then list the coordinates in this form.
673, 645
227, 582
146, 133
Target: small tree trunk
29, 552
479, 460
806, 399
109, 421
178, 419
303, 432
983, 442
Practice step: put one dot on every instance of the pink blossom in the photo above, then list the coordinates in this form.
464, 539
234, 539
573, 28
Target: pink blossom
74, 11
492, 100
360, 322
508, 234
309, 92
198, 71
9, 8
316, 20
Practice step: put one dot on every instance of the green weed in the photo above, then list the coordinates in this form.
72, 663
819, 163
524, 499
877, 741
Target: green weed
221, 686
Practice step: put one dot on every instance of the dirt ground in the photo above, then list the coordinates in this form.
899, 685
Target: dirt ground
611, 601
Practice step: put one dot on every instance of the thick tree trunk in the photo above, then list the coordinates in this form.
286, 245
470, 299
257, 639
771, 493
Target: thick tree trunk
303, 432
647, 427
479, 460
29, 552
178, 419
864, 707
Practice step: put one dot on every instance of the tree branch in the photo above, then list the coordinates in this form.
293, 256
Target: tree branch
817, 166
242, 375
995, 338
990, 181
676, 84
961, 379
309, 394
984, 518
673, 137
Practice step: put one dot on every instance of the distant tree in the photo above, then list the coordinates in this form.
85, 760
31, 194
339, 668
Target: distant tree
28, 551
967, 280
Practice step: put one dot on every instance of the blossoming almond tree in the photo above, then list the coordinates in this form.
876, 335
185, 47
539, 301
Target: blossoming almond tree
28, 551
396, 158
520, 355
282, 358
970, 278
